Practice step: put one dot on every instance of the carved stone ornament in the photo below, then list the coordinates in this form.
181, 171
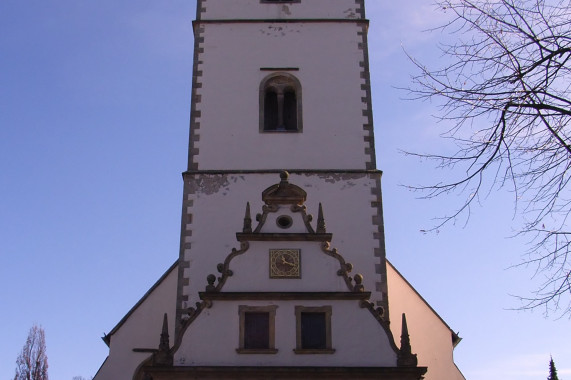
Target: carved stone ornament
321, 221
405, 356
247, 228
267, 209
345, 268
274, 196
284, 192
359, 287
164, 357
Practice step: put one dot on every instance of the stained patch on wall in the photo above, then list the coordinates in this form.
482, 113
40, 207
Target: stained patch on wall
278, 30
208, 185
350, 13
337, 177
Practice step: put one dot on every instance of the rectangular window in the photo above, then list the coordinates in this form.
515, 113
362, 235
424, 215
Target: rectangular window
257, 329
313, 329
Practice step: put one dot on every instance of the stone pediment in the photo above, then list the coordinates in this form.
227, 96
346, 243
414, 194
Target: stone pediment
284, 216
284, 193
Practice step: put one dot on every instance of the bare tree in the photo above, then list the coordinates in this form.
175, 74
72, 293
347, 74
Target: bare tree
32, 363
505, 96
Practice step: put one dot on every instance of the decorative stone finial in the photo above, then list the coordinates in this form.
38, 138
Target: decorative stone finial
284, 192
405, 356
320, 221
247, 220
284, 183
359, 287
210, 279
163, 356
164, 344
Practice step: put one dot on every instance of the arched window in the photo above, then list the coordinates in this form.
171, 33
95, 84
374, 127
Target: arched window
280, 103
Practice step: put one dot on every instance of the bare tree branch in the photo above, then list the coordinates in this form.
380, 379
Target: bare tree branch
506, 92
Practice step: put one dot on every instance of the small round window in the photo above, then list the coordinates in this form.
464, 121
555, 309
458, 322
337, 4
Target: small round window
284, 221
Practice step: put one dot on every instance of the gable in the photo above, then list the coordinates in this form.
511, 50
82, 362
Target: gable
431, 337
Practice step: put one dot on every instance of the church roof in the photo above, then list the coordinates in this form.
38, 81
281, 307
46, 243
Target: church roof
107, 337
455, 338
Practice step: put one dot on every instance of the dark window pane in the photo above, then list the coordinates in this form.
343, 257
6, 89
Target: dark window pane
256, 330
270, 111
313, 331
290, 111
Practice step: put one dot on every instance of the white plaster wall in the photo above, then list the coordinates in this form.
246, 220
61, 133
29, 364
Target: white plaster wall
141, 330
218, 211
430, 338
328, 58
319, 271
359, 340
253, 9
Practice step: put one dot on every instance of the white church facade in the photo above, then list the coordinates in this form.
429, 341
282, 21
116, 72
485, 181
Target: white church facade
282, 271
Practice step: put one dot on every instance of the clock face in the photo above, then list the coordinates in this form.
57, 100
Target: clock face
285, 263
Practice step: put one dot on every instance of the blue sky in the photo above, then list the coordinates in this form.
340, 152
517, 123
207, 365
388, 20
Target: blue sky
94, 111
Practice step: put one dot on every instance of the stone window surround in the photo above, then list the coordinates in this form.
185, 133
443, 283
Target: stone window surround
293, 82
316, 309
271, 310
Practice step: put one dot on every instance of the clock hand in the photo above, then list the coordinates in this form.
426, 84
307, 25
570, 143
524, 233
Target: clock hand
284, 261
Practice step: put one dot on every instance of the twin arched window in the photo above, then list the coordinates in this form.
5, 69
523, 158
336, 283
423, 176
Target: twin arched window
280, 103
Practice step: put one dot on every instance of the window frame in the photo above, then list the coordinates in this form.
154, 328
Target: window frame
293, 83
327, 310
271, 310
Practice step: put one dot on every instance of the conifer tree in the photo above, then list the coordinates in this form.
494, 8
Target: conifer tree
552, 371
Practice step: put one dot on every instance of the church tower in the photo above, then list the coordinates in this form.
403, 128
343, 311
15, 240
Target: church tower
281, 271
282, 85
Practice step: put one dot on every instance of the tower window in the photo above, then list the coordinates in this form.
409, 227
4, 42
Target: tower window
257, 330
280, 104
313, 328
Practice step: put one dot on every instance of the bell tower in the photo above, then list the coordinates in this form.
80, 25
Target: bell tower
281, 85
281, 129
281, 272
